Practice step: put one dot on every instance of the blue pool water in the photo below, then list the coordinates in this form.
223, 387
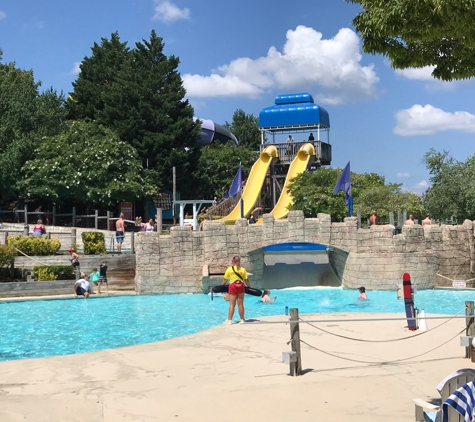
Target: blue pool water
57, 327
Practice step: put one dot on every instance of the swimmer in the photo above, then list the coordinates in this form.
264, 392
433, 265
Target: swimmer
266, 296
362, 295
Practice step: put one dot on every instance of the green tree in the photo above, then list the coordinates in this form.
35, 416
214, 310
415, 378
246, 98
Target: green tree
452, 191
142, 101
218, 165
96, 77
86, 164
313, 193
246, 129
410, 33
26, 117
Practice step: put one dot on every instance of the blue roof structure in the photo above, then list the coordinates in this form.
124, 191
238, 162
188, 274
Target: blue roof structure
294, 111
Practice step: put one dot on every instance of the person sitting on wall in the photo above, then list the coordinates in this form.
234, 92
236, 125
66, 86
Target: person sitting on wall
410, 221
311, 138
38, 229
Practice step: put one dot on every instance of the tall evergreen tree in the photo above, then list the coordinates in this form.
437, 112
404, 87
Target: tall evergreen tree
145, 106
98, 73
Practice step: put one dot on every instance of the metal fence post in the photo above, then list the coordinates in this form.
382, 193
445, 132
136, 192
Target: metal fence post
132, 242
391, 218
54, 215
96, 219
73, 237
108, 220
25, 210
160, 220
74, 216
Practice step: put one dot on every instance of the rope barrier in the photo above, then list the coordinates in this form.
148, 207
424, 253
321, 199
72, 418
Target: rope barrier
33, 259
379, 341
361, 319
447, 278
382, 362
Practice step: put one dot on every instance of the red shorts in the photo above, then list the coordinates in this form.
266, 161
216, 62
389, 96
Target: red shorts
236, 288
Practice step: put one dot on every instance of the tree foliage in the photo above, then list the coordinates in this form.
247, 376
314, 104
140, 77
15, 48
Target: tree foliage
246, 129
218, 165
410, 33
87, 164
142, 100
26, 118
452, 191
312, 193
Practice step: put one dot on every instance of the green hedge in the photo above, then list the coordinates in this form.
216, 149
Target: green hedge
53, 272
7, 255
34, 245
94, 243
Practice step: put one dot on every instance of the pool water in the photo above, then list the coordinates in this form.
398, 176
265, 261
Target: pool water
58, 327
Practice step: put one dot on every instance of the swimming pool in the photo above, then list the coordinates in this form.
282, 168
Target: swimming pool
57, 327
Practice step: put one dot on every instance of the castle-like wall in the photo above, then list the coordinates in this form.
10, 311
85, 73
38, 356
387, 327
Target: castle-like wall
186, 261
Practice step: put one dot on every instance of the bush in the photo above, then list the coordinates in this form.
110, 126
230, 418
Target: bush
34, 245
94, 243
53, 272
7, 255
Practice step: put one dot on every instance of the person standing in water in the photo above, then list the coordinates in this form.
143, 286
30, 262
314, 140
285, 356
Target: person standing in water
237, 276
362, 295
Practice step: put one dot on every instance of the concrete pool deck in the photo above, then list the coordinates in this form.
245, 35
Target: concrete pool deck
235, 373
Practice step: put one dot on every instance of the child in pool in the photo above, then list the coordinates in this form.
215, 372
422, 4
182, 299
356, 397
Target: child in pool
362, 295
266, 296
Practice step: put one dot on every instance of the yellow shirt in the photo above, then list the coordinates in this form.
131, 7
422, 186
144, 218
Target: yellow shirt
233, 277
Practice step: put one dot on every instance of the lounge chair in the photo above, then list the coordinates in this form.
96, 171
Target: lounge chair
426, 411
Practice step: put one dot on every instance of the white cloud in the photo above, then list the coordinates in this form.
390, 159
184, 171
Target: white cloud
421, 74
3, 15
427, 120
307, 62
419, 188
403, 175
168, 12
76, 68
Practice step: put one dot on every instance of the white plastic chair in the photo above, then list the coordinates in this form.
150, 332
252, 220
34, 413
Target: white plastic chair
426, 412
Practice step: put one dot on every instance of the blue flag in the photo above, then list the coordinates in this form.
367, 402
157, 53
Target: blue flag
344, 183
237, 183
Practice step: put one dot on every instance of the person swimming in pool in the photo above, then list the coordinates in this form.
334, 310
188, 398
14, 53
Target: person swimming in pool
362, 295
266, 296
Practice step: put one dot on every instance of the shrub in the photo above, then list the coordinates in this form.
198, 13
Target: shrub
94, 243
34, 245
53, 272
7, 255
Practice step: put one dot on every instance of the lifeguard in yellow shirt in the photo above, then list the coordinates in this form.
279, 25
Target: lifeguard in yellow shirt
237, 276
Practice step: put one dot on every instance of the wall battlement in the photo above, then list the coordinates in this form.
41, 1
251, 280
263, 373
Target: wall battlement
185, 261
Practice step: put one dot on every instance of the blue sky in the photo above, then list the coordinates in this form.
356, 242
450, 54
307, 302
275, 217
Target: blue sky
242, 54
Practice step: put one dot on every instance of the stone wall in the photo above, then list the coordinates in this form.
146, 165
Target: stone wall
187, 261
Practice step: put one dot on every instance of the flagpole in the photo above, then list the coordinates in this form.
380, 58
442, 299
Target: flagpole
241, 200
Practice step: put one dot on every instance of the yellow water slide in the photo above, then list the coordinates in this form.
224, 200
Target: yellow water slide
254, 184
298, 166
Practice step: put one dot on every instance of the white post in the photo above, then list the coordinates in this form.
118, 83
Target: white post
159, 219
182, 215
195, 215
